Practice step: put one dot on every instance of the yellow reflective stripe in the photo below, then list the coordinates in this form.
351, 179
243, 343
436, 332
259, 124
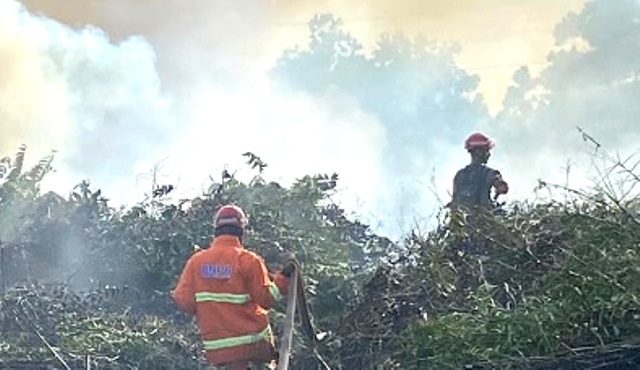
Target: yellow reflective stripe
275, 292
237, 341
222, 297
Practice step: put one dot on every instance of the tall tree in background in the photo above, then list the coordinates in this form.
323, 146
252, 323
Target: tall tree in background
412, 86
591, 81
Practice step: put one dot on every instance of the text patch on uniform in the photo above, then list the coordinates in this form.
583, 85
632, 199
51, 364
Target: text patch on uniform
211, 271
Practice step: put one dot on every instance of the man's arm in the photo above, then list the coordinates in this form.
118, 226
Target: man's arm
184, 294
499, 184
264, 291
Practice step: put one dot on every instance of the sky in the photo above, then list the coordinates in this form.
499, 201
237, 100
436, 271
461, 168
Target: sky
118, 87
495, 36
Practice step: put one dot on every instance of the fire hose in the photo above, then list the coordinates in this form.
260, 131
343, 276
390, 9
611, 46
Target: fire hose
297, 303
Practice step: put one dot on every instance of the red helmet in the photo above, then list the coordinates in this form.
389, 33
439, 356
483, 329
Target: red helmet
230, 215
478, 140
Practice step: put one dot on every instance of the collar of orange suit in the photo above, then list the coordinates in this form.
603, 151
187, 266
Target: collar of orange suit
226, 241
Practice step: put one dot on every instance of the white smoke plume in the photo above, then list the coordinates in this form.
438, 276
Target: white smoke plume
590, 83
113, 110
194, 90
97, 103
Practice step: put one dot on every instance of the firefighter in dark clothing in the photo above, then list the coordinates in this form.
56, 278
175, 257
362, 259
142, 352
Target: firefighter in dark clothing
471, 201
472, 185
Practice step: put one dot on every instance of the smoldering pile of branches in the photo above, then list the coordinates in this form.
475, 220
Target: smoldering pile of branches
552, 285
441, 271
53, 327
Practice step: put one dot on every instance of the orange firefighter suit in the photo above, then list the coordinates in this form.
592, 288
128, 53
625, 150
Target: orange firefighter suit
229, 290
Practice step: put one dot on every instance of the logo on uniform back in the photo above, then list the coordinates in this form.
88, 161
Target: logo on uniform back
211, 271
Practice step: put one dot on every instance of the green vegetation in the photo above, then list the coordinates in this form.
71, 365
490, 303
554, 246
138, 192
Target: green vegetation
555, 280
86, 284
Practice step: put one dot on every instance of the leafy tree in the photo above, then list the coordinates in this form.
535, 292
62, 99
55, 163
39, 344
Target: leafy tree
413, 87
590, 82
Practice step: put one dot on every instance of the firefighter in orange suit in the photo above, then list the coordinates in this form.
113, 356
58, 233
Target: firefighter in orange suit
229, 290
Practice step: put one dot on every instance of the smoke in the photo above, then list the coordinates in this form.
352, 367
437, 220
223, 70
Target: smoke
249, 34
413, 87
204, 43
124, 106
78, 93
591, 83
188, 84
28, 96
293, 133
